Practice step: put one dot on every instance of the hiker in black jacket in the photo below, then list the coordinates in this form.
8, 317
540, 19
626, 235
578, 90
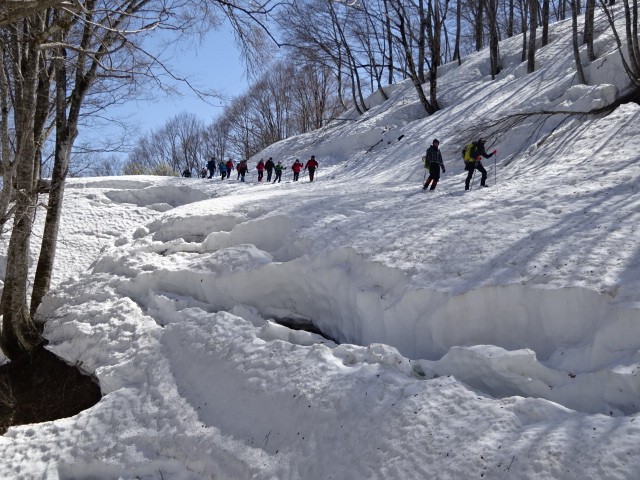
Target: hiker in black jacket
269, 166
477, 152
211, 166
433, 161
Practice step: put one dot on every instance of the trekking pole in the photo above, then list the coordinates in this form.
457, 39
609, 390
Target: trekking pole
494, 168
473, 175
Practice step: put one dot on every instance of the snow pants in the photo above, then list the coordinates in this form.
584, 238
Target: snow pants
470, 168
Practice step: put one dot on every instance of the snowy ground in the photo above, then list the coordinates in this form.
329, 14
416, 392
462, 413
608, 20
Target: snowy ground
484, 334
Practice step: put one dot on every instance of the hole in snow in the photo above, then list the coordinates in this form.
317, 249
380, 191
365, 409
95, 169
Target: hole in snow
153, 196
304, 325
571, 345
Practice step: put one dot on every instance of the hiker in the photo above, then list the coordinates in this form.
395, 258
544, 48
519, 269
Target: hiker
269, 166
230, 167
203, 172
242, 169
186, 172
260, 169
278, 171
476, 152
433, 161
211, 166
296, 167
222, 167
311, 165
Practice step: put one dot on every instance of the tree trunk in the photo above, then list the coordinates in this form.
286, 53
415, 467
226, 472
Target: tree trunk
456, 50
589, 14
523, 24
422, 47
7, 167
631, 29
64, 142
19, 335
479, 26
435, 23
494, 55
533, 25
389, 35
576, 46
510, 20
545, 22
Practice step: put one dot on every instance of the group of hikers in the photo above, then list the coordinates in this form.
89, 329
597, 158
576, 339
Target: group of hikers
273, 169
472, 155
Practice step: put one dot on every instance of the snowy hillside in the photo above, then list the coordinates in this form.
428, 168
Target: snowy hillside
493, 333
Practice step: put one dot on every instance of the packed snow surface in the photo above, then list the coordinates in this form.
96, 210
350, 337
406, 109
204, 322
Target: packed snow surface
493, 333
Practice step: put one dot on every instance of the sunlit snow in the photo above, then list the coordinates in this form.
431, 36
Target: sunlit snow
493, 333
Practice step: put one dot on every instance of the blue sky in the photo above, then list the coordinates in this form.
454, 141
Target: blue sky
213, 63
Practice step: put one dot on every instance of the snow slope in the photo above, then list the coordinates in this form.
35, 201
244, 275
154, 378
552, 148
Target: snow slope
492, 333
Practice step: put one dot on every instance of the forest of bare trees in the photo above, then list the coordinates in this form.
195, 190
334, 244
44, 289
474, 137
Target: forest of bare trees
339, 52
63, 61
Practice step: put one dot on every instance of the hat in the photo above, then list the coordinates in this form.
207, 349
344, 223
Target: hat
435, 140
313, 156
481, 140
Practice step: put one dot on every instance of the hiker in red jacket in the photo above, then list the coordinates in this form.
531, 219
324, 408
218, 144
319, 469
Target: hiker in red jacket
260, 169
242, 169
311, 165
296, 167
229, 168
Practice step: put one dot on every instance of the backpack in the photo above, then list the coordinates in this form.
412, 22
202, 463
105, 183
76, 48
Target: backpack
466, 153
425, 161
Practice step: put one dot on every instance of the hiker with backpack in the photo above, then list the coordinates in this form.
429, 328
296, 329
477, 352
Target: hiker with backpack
211, 166
433, 162
296, 167
260, 169
222, 167
311, 165
472, 155
269, 166
278, 171
242, 169
230, 166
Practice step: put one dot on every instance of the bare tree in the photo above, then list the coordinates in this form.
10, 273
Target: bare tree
589, 18
575, 43
456, 49
479, 24
533, 26
494, 37
524, 16
77, 49
544, 40
402, 25
630, 55
29, 91
7, 165
14, 10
